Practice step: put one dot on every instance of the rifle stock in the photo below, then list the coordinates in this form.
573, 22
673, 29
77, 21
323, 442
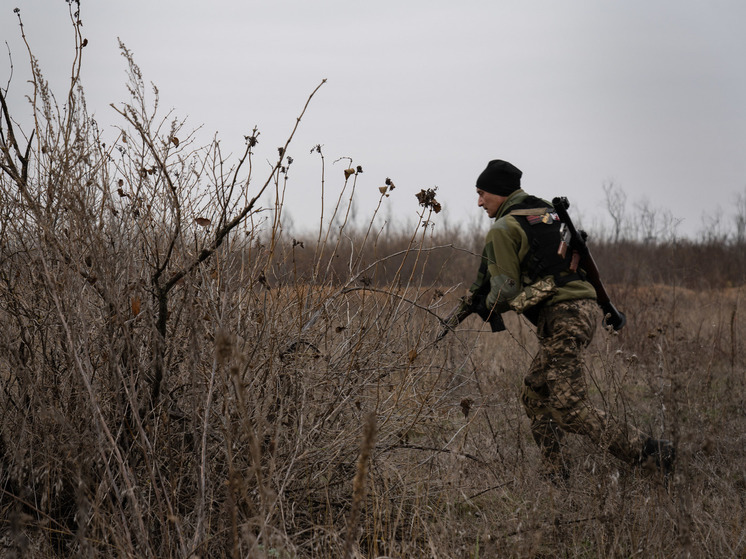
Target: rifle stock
612, 317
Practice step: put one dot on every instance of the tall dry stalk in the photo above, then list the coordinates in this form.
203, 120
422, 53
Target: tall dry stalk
358, 485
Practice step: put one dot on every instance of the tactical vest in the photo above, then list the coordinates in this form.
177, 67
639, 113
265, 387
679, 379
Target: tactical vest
542, 227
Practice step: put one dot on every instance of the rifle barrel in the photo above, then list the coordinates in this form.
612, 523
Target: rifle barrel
612, 316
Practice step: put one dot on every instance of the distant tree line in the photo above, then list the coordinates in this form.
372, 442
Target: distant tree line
650, 225
640, 246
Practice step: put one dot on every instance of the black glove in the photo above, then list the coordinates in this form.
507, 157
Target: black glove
479, 303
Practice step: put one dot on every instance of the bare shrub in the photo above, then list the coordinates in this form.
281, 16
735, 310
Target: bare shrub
182, 379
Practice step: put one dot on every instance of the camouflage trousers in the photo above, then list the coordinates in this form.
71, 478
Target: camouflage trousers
554, 391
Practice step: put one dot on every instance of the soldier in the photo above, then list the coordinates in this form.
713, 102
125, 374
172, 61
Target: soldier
523, 270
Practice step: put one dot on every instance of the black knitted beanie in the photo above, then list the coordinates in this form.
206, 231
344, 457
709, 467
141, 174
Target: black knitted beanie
500, 177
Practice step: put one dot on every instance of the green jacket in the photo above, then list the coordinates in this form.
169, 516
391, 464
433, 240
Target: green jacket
505, 248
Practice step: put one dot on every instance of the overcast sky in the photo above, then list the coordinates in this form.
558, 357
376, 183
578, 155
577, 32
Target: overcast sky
648, 94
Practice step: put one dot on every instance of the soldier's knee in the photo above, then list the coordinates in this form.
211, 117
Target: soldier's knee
576, 415
532, 402
580, 419
567, 393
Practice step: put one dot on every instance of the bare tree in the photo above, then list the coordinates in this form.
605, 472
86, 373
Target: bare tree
713, 230
739, 218
645, 218
654, 225
616, 205
669, 225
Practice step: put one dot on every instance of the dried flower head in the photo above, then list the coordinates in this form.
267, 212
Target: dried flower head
426, 198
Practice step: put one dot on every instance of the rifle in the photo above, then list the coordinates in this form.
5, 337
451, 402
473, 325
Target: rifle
576, 240
473, 303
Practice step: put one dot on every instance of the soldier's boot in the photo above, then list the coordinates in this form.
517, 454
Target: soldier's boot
548, 437
555, 470
555, 466
658, 455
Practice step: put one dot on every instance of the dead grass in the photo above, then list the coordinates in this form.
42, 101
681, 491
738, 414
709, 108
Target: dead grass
180, 379
252, 450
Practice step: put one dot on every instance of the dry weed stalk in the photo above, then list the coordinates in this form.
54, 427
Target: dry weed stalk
358, 485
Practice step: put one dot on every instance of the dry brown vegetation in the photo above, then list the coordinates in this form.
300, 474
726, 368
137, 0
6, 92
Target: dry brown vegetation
182, 380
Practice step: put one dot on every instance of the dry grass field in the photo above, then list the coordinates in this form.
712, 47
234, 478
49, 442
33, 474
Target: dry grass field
182, 379
271, 394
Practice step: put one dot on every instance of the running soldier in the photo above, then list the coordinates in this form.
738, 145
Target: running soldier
525, 269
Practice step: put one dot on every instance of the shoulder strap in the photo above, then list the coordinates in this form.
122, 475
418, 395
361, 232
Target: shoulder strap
531, 206
530, 211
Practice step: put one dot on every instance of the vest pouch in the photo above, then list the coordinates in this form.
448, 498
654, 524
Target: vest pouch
534, 294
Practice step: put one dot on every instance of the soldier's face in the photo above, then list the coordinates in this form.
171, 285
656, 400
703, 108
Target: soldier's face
490, 202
